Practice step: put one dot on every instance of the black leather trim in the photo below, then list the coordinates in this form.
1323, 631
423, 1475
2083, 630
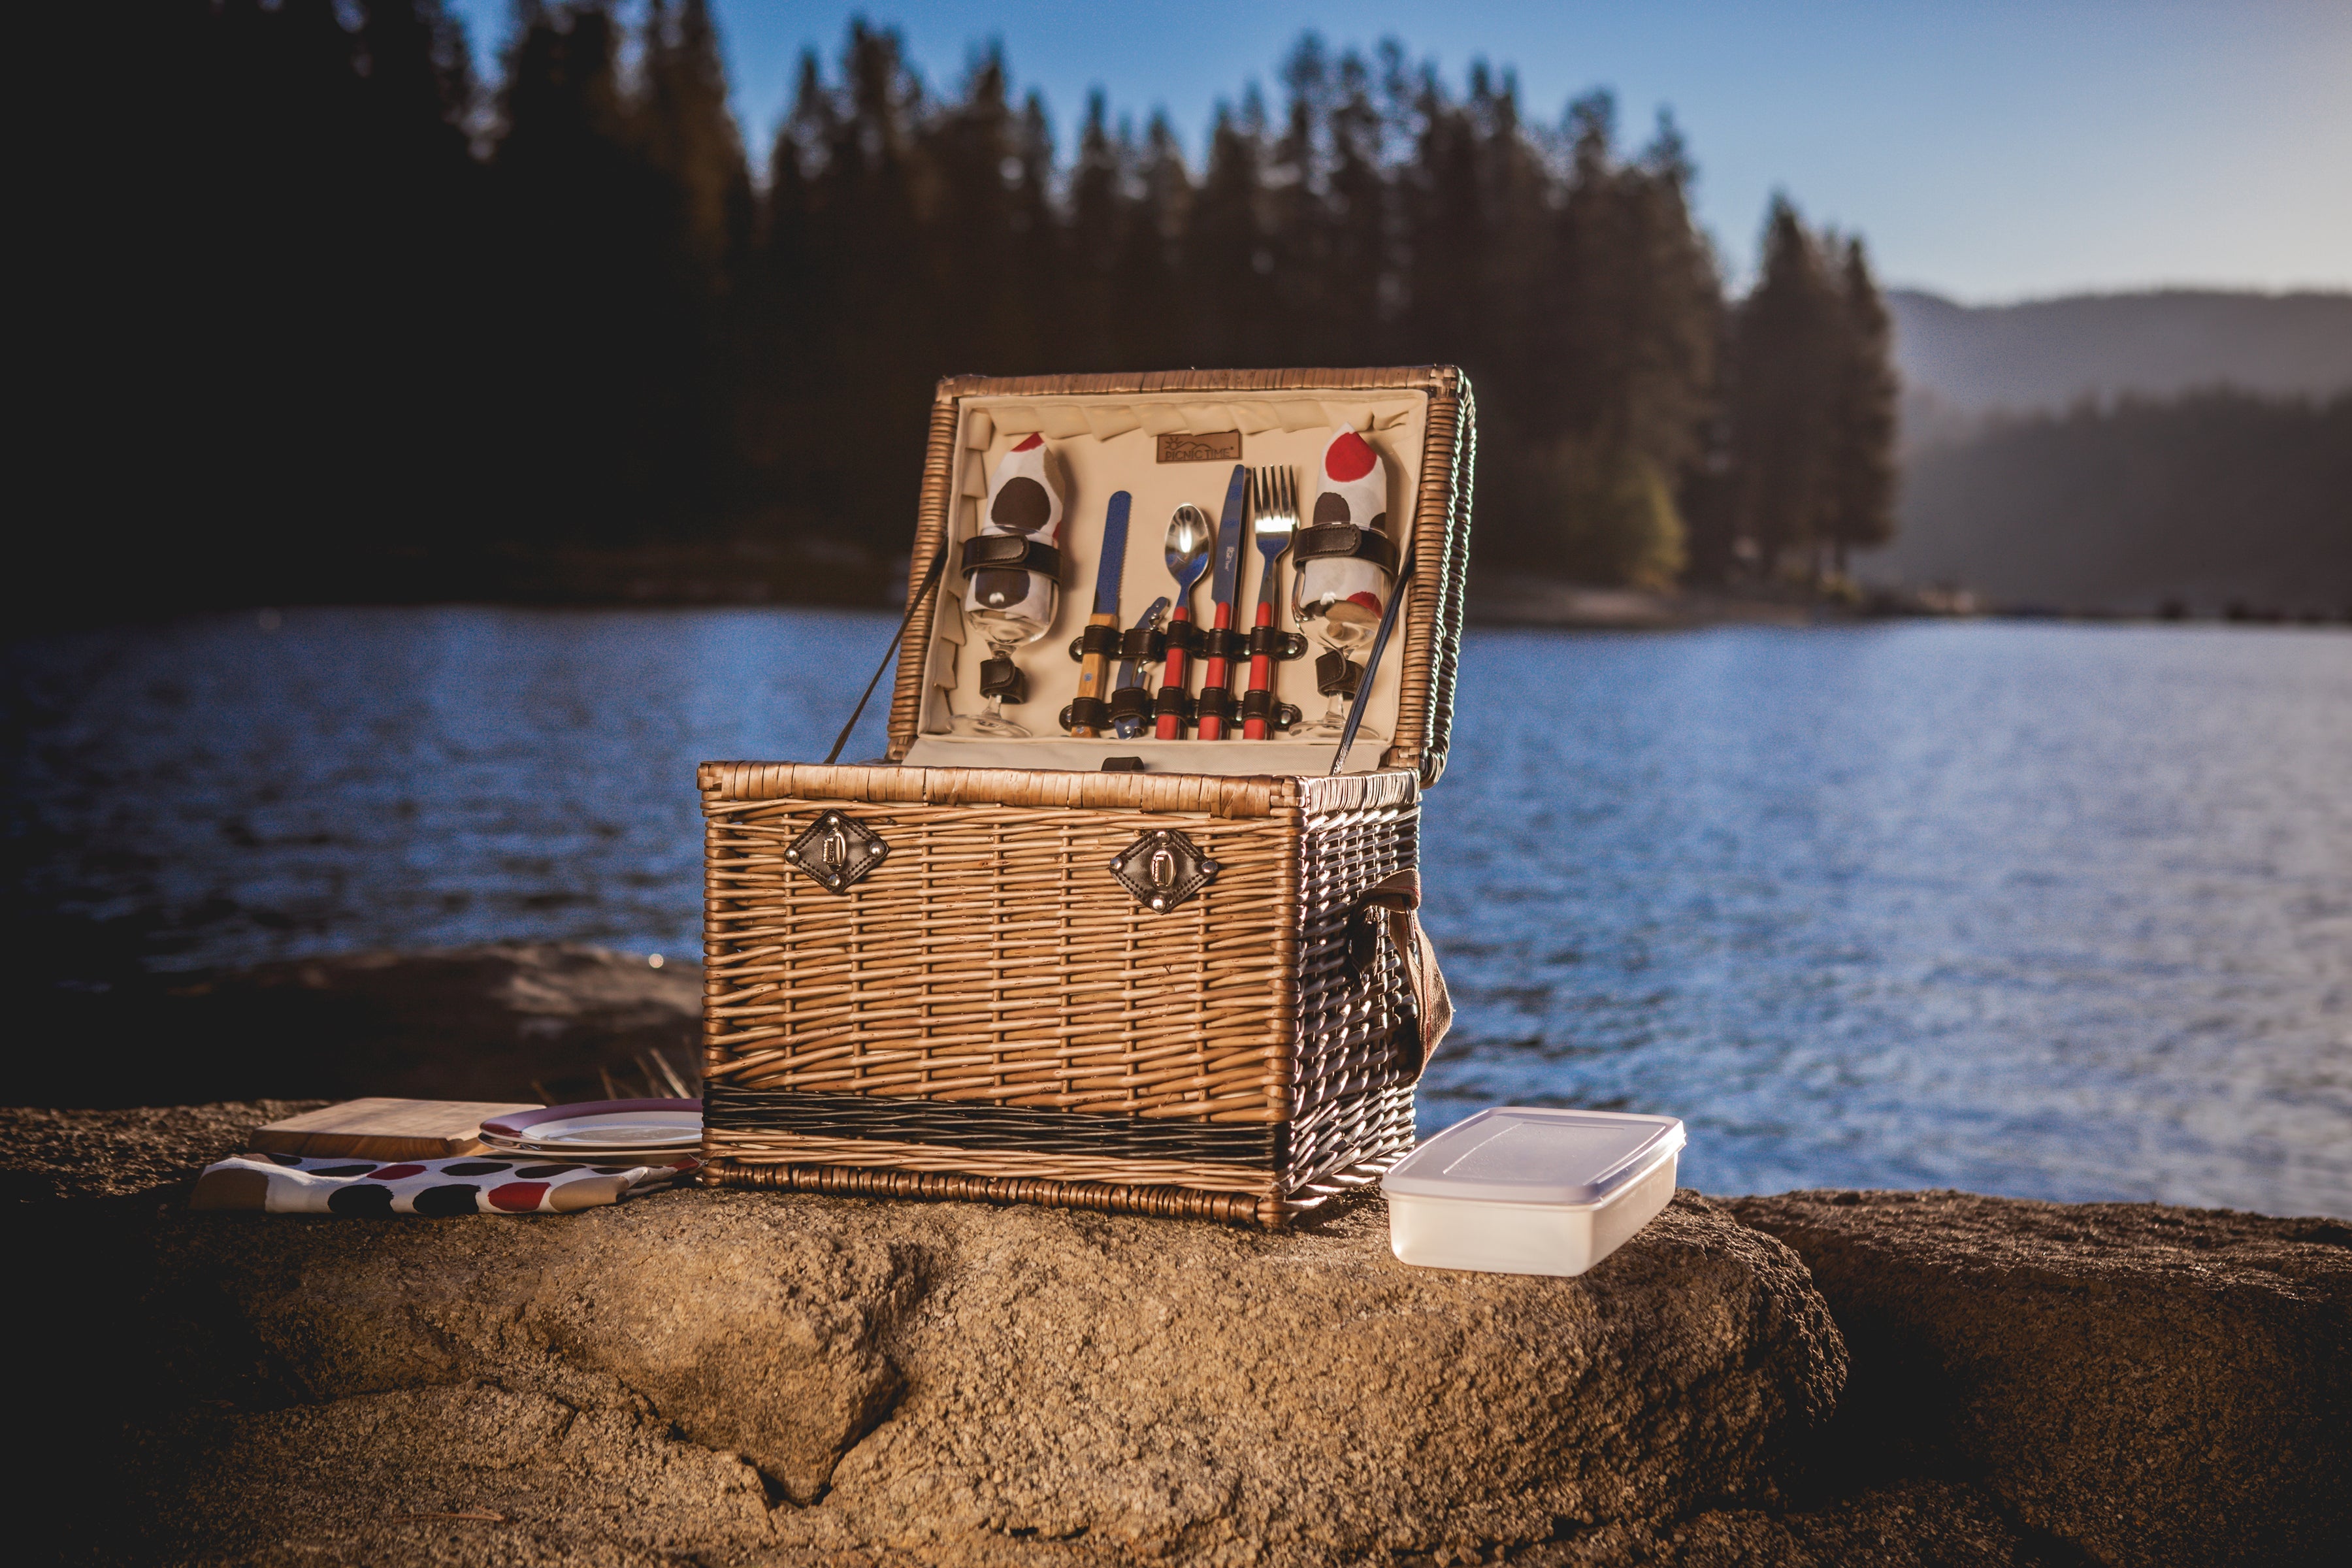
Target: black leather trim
964, 1124
1336, 674
1345, 539
1001, 678
984, 550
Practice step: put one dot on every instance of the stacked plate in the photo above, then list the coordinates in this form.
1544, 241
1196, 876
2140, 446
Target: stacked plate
601, 1132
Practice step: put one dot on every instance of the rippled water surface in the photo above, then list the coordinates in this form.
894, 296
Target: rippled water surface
2049, 911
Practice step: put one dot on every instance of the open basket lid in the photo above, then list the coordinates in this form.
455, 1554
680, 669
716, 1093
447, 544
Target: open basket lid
1175, 436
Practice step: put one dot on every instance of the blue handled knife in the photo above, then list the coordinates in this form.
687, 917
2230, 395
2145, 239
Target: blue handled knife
1114, 562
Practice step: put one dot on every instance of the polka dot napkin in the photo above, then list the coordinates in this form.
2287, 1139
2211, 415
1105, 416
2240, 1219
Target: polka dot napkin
282, 1184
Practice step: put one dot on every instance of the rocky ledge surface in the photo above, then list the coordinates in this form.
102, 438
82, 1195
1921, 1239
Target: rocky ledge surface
2150, 1385
716, 1378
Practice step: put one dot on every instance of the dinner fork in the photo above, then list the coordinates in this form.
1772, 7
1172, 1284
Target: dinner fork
1273, 505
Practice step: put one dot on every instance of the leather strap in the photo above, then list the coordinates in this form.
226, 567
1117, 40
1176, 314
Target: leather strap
1397, 897
985, 551
1345, 539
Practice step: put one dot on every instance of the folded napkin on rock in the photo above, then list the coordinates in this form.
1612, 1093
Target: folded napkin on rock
284, 1184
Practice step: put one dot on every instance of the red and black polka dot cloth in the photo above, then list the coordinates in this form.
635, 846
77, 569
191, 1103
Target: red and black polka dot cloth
282, 1184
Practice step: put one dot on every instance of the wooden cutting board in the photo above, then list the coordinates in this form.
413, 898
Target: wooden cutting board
384, 1129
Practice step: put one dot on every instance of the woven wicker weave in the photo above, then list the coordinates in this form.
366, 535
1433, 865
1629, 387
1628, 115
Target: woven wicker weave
988, 1014
1251, 1042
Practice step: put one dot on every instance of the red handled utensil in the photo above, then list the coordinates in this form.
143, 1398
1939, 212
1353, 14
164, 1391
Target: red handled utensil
1273, 506
1188, 558
1216, 685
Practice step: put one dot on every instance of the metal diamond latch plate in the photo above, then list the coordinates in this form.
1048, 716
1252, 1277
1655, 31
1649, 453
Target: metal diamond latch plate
1163, 869
838, 851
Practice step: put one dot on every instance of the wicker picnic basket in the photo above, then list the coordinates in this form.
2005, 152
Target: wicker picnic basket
929, 979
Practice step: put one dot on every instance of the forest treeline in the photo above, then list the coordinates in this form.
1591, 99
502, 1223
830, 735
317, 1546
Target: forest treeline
341, 321
2216, 502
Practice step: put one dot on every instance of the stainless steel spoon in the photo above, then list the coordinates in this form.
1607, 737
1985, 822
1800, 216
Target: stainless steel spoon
1188, 533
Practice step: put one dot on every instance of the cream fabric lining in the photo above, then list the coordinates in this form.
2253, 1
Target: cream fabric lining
1101, 445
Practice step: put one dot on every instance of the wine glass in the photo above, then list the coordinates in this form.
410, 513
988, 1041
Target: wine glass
1333, 605
1008, 606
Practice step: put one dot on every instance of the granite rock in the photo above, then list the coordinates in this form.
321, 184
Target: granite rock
947, 1383
2147, 1384
735, 1378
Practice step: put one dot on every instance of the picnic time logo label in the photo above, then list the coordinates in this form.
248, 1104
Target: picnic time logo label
1222, 447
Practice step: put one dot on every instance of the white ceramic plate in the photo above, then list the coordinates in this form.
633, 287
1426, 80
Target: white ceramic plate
603, 1127
599, 1154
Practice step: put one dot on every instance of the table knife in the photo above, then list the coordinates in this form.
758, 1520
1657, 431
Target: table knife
1222, 587
1105, 612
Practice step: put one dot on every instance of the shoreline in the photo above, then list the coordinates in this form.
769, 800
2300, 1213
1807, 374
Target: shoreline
744, 578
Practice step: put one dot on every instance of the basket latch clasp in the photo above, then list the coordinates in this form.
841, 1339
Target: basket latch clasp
836, 851
1163, 869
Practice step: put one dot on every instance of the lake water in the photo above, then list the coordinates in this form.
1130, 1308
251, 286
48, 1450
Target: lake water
2049, 911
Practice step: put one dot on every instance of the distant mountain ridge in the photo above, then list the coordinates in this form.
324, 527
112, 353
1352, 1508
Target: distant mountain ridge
1960, 363
2025, 478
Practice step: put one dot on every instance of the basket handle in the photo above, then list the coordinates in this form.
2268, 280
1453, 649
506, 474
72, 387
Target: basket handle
1397, 897
914, 602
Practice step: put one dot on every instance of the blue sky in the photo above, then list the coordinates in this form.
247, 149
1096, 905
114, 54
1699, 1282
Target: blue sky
1991, 150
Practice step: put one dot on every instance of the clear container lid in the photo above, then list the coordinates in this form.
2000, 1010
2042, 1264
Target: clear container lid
1527, 1154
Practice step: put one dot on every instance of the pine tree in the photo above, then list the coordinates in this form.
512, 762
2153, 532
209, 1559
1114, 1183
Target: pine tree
1229, 263
1783, 386
420, 77
873, 356
1860, 509
972, 296
1043, 338
784, 301
589, 302
690, 141
1444, 224
1359, 266
1151, 291
1298, 241
1092, 241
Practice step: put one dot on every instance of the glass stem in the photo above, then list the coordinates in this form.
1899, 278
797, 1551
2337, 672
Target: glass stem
1000, 650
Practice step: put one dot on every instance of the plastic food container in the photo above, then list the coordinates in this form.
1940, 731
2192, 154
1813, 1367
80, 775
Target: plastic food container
1524, 1190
